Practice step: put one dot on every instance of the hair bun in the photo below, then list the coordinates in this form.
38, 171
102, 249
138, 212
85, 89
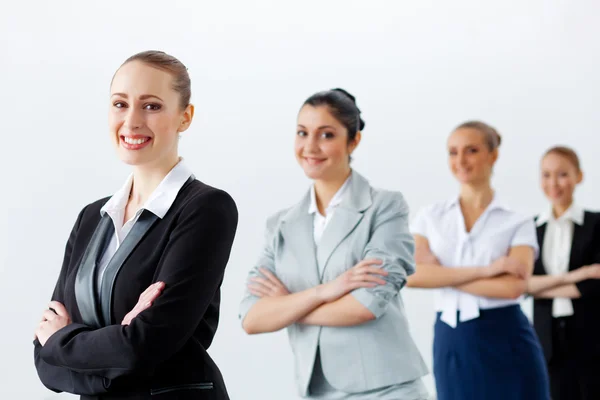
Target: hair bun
346, 93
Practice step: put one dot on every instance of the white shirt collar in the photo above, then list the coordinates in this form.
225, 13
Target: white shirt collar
335, 201
160, 200
574, 213
495, 204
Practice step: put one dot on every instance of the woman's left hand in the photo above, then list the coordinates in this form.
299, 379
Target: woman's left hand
269, 286
52, 321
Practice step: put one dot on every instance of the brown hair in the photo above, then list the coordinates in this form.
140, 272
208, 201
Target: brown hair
567, 153
165, 62
491, 135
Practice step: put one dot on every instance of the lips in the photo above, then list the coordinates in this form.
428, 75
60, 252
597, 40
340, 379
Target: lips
134, 142
314, 161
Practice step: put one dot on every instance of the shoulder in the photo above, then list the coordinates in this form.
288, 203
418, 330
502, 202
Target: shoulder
591, 216
198, 198
435, 210
517, 218
388, 201
91, 212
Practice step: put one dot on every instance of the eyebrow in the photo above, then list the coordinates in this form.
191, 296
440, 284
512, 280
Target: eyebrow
142, 97
321, 127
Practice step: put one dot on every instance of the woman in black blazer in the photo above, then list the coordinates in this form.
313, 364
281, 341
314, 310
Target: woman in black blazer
165, 231
565, 284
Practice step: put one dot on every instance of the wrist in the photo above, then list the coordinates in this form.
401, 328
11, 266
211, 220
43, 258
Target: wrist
569, 277
317, 294
487, 272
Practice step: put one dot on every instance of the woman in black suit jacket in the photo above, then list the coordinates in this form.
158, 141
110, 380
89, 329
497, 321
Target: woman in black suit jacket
565, 284
175, 241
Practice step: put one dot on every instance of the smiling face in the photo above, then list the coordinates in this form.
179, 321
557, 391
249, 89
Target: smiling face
559, 177
469, 156
322, 148
145, 116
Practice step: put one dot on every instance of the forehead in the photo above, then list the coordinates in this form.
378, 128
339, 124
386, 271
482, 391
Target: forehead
466, 137
557, 161
135, 78
317, 116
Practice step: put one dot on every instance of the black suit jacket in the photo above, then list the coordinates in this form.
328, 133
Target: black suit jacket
585, 250
162, 354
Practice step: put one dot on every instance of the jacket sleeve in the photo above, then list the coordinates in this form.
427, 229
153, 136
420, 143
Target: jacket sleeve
265, 260
56, 378
391, 242
192, 267
60, 379
591, 287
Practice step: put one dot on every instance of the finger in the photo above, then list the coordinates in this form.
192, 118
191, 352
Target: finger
370, 278
370, 261
152, 296
259, 289
270, 276
126, 320
49, 315
375, 270
256, 293
59, 309
358, 285
149, 289
264, 282
152, 292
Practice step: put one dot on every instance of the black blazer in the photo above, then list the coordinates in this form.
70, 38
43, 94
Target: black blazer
162, 353
585, 250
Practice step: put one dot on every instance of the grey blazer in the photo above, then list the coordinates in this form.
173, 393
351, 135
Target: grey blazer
368, 223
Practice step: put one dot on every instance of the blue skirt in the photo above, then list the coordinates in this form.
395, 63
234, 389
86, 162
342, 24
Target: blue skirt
494, 357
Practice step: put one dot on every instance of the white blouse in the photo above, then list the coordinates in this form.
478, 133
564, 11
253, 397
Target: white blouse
556, 251
158, 203
320, 221
491, 237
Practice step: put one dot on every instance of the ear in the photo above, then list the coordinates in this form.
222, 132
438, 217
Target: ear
186, 118
354, 144
494, 156
579, 177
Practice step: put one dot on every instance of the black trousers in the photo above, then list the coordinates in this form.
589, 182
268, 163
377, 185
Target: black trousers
572, 377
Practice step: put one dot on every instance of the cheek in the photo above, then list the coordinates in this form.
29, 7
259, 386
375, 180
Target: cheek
566, 184
163, 126
336, 150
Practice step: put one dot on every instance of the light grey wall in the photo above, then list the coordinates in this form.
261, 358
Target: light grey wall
417, 68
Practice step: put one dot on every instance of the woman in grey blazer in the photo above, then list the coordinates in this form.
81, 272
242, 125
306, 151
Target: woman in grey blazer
332, 268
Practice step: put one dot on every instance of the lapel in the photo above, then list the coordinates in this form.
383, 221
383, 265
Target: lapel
85, 293
539, 268
137, 233
345, 218
297, 232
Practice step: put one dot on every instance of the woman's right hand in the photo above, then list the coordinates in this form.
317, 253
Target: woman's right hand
144, 302
583, 273
508, 265
364, 274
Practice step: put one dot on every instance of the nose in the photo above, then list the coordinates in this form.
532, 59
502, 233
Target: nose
133, 120
312, 144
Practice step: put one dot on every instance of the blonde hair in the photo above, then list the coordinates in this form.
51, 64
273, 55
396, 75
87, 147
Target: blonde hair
491, 135
567, 153
167, 63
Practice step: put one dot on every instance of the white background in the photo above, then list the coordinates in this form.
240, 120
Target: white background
417, 68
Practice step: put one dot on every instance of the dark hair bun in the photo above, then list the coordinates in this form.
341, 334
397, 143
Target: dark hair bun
361, 122
346, 93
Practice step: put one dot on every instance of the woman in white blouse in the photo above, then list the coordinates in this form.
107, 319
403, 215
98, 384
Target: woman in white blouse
478, 254
565, 284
